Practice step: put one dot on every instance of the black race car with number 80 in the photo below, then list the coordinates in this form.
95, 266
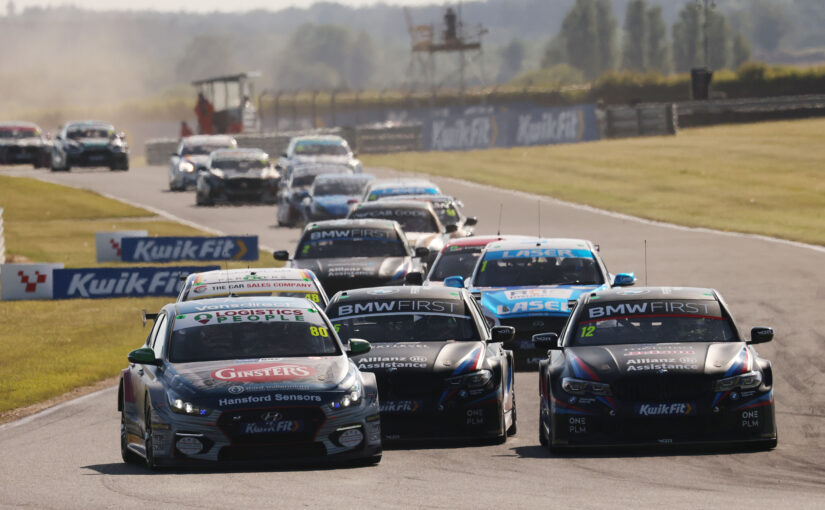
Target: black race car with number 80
442, 372
246, 379
654, 365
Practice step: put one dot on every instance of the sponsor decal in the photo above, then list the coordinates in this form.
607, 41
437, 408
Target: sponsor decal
351, 438
577, 424
101, 282
263, 372
27, 281
108, 244
382, 292
535, 253
372, 362
475, 416
661, 365
351, 233
533, 306
400, 406
707, 309
389, 213
514, 295
750, 418
275, 427
400, 306
243, 316
170, 249
672, 409
235, 390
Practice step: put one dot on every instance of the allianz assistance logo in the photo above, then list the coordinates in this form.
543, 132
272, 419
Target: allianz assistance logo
30, 282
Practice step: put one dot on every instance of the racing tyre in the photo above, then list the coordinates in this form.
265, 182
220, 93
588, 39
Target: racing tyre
128, 455
147, 437
368, 461
542, 438
202, 200
513, 429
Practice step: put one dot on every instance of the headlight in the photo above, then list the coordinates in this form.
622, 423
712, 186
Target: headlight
476, 379
217, 172
116, 147
180, 406
352, 397
744, 381
186, 166
581, 387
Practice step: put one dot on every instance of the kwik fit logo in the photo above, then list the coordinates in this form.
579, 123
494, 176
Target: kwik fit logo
675, 409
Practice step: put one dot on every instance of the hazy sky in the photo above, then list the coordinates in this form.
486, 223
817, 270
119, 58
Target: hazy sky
200, 5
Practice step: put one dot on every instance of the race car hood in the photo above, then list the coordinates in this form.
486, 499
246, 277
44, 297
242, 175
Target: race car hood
377, 267
93, 142
333, 204
607, 363
446, 357
199, 160
532, 301
257, 173
328, 160
212, 381
433, 241
22, 142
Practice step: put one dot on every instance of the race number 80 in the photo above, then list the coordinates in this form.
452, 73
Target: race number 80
318, 331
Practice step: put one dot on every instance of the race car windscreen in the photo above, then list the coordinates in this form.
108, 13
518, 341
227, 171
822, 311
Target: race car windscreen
76, 133
411, 220
320, 149
265, 332
456, 262
350, 187
240, 164
403, 320
350, 242
278, 287
18, 133
202, 150
652, 322
541, 266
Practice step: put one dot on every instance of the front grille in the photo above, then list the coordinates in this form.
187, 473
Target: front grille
398, 384
292, 424
661, 388
244, 185
247, 453
526, 327
333, 285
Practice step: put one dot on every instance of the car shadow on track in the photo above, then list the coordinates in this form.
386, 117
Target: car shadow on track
540, 452
121, 468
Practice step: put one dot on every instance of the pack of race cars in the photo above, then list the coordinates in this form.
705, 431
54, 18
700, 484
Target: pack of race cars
390, 321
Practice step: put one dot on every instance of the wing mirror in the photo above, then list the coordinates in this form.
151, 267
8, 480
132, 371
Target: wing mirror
546, 341
624, 279
422, 253
760, 335
472, 220
451, 228
454, 281
143, 356
282, 255
502, 333
358, 346
414, 278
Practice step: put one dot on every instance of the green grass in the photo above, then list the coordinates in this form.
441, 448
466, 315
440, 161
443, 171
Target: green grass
52, 347
766, 178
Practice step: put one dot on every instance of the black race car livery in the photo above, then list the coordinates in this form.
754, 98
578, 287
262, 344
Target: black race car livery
654, 365
348, 254
246, 379
442, 373
89, 144
237, 174
22, 143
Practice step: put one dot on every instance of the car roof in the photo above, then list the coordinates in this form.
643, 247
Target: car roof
325, 139
420, 197
480, 240
400, 292
544, 242
205, 139
88, 123
344, 176
19, 124
239, 303
236, 275
648, 293
349, 223
401, 182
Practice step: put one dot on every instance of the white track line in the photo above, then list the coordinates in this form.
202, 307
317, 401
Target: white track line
53, 409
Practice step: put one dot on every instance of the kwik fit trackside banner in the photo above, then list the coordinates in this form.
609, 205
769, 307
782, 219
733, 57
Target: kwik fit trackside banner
135, 246
172, 249
51, 281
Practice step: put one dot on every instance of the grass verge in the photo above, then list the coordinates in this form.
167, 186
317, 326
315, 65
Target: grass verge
766, 178
53, 347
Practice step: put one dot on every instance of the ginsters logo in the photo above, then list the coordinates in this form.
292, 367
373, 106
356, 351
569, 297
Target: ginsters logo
263, 372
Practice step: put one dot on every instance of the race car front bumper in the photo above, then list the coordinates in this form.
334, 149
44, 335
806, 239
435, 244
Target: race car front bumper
243, 189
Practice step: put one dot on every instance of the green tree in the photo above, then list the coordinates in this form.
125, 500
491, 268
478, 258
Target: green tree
606, 29
740, 51
634, 47
589, 34
770, 23
719, 40
687, 38
657, 47
512, 61
555, 52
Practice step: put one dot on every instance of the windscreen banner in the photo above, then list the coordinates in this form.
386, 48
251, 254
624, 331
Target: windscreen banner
173, 249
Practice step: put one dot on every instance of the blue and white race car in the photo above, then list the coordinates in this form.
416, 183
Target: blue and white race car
527, 284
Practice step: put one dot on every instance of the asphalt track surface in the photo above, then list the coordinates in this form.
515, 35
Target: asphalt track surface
68, 457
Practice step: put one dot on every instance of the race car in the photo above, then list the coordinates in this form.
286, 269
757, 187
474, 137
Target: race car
417, 219
350, 254
89, 143
331, 196
246, 379
22, 143
272, 281
459, 257
527, 284
296, 181
192, 156
448, 210
237, 174
442, 372
389, 187
654, 365
319, 150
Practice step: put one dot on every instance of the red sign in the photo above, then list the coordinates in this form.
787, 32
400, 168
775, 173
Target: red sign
263, 372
